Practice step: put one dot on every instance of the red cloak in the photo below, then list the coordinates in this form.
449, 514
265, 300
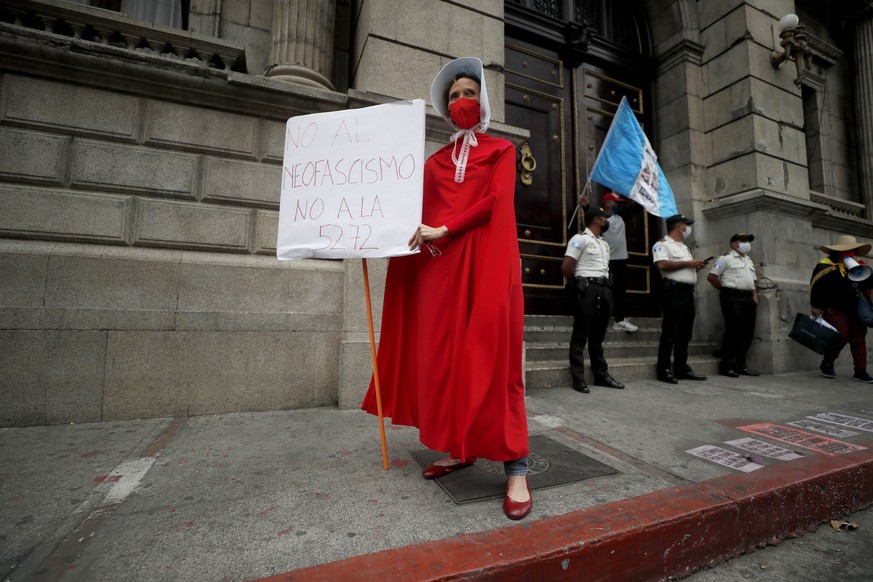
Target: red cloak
450, 350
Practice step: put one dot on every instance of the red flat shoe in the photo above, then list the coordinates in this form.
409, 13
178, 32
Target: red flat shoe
517, 509
434, 471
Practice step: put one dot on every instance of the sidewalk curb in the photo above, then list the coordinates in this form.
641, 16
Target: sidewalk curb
667, 533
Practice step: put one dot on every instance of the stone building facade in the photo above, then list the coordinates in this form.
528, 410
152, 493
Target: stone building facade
140, 171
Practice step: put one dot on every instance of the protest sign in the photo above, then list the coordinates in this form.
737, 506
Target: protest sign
352, 182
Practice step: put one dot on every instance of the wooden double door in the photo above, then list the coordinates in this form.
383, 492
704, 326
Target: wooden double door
568, 111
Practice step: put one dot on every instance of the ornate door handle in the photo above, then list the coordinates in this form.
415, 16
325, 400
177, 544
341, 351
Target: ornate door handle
526, 165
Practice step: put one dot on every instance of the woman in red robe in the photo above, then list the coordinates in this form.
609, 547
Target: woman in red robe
450, 350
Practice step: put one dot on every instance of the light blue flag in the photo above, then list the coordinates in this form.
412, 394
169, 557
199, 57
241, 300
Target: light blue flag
628, 164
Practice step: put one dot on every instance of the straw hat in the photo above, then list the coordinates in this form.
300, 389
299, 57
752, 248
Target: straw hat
846, 242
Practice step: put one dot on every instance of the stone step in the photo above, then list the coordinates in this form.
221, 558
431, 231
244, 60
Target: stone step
556, 335
556, 374
544, 322
614, 350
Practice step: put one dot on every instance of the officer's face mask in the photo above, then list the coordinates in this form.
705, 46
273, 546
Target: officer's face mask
744, 247
687, 232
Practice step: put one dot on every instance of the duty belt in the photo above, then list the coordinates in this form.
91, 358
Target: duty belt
671, 283
732, 291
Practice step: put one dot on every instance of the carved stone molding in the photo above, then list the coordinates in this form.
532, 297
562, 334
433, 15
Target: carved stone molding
103, 27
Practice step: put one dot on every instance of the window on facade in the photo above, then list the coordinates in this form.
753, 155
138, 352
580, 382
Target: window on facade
812, 117
613, 20
172, 13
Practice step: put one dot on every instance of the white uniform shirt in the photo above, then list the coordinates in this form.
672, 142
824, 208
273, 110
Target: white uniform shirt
617, 238
735, 271
591, 253
668, 249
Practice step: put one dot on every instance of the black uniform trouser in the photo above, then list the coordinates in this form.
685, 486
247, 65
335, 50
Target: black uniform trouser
591, 310
739, 310
618, 270
678, 320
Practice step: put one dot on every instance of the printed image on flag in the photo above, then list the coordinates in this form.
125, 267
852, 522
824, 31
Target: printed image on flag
628, 165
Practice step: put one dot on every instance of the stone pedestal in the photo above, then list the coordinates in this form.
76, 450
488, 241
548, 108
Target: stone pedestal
303, 42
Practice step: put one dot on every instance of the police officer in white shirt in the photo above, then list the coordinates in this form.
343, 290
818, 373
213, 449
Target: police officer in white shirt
679, 271
734, 276
586, 268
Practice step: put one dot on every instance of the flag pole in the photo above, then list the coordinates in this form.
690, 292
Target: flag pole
576, 211
375, 365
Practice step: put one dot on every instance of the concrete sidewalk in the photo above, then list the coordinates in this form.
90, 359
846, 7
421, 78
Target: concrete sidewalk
243, 496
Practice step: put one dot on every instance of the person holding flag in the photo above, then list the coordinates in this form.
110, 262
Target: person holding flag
616, 236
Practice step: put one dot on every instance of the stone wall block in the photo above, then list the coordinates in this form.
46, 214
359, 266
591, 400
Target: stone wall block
73, 108
31, 156
22, 279
256, 322
708, 13
677, 116
733, 176
672, 84
733, 140
148, 375
752, 96
728, 68
236, 11
74, 387
355, 373
783, 141
191, 225
378, 66
268, 371
195, 128
23, 377
415, 25
33, 212
257, 42
754, 170
247, 182
266, 287
261, 14
93, 283
675, 149
105, 166
266, 231
272, 136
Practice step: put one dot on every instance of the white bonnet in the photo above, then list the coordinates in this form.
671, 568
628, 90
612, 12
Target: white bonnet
440, 88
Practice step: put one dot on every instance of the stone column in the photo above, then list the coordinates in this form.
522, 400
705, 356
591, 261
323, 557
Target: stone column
864, 106
303, 42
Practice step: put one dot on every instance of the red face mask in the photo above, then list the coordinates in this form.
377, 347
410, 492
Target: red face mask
465, 112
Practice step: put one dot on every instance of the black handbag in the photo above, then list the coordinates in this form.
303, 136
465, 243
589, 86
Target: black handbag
813, 335
864, 309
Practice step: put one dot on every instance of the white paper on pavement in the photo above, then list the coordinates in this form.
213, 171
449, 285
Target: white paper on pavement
764, 449
824, 428
725, 457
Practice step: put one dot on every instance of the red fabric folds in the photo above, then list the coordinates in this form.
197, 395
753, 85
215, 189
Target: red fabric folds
450, 350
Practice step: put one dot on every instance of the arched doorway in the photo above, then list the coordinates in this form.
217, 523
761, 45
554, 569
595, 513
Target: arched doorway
567, 65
